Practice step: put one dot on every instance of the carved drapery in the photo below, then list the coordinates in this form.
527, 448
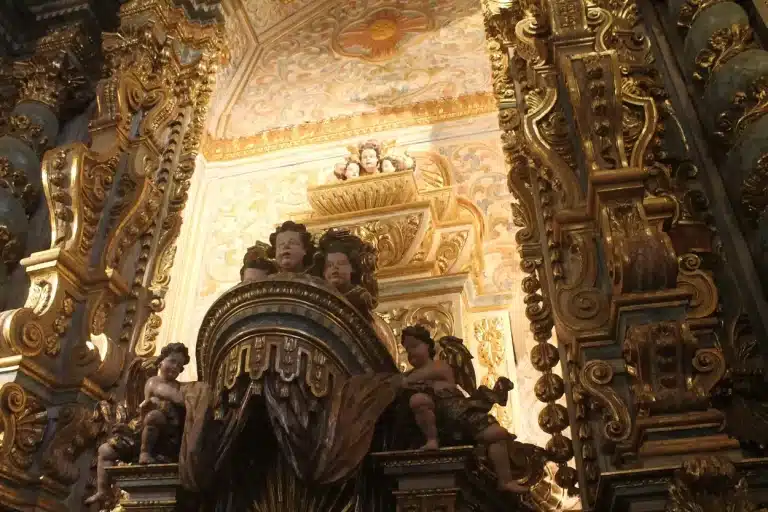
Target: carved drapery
113, 205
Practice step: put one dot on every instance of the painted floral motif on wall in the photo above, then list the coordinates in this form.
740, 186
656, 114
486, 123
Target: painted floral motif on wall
299, 77
266, 14
250, 205
239, 41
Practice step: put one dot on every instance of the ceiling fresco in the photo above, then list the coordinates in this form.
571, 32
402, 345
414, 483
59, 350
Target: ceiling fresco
301, 62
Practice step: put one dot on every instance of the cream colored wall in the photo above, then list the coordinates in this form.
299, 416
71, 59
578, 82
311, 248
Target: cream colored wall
233, 204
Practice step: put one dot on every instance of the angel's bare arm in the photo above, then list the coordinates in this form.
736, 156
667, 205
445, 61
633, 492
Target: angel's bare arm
436, 371
149, 389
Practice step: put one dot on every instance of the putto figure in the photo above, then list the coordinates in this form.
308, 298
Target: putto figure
256, 263
348, 264
372, 157
433, 393
291, 247
154, 435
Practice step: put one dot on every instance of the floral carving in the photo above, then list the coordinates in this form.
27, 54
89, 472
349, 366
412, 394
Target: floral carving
721, 47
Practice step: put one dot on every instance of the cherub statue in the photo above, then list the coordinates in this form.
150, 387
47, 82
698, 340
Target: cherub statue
372, 157
154, 430
370, 153
291, 247
348, 264
391, 164
352, 170
434, 392
256, 264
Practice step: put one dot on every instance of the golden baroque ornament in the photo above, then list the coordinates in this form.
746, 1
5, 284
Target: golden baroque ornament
745, 108
709, 484
754, 190
17, 183
391, 238
722, 45
24, 422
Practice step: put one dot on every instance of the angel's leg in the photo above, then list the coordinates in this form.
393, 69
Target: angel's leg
153, 422
106, 458
495, 437
424, 410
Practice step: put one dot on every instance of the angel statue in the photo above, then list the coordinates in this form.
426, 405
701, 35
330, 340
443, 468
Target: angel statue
256, 264
291, 247
438, 388
151, 430
348, 264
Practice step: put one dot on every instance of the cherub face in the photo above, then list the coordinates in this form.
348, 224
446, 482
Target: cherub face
172, 366
353, 170
290, 251
338, 270
369, 160
254, 274
417, 350
387, 166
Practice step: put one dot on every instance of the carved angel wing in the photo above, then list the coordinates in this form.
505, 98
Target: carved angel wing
386, 146
452, 350
354, 153
139, 371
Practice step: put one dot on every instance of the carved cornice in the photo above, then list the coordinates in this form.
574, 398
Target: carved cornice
361, 194
390, 118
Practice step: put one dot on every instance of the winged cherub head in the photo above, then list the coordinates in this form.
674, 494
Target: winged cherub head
256, 263
370, 152
292, 247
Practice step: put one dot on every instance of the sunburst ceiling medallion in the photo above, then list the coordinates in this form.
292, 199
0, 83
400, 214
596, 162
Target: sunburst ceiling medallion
379, 35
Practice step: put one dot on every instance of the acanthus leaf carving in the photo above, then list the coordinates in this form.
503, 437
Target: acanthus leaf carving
24, 422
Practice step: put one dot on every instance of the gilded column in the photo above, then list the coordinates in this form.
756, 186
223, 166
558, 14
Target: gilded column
618, 239
104, 200
44, 82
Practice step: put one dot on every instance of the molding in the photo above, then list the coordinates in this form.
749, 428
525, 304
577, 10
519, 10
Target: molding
391, 118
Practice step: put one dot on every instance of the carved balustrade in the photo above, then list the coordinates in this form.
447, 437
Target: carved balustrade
100, 213
618, 237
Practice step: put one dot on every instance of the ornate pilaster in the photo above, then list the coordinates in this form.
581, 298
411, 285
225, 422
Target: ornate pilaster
104, 201
617, 237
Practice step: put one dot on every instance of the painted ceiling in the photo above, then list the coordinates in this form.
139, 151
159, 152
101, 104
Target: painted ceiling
298, 62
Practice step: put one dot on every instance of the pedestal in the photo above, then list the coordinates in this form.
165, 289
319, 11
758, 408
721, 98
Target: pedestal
426, 481
150, 487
